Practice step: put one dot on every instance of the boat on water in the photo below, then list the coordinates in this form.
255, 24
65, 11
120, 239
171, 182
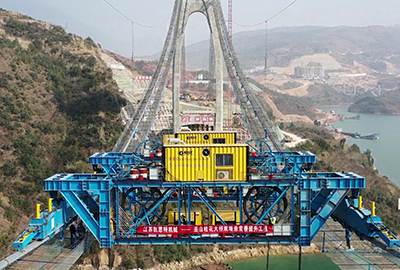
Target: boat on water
356, 135
371, 136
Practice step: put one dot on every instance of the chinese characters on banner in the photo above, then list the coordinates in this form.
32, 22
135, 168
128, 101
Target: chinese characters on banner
234, 229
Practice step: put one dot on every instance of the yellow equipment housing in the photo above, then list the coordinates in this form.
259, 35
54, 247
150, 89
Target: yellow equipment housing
203, 137
213, 162
231, 217
195, 217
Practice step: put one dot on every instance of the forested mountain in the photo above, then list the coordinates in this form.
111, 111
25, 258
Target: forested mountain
59, 104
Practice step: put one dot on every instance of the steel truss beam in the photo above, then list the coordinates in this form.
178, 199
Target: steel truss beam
73, 186
313, 209
291, 162
320, 195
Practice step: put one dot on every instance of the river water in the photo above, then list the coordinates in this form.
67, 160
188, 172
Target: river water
287, 262
386, 150
386, 153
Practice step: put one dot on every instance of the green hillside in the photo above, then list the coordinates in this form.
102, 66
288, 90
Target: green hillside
58, 103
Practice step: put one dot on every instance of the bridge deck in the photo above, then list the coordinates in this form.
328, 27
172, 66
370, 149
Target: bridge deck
363, 254
49, 257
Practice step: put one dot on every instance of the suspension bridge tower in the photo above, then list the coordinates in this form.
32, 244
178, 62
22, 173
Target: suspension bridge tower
212, 11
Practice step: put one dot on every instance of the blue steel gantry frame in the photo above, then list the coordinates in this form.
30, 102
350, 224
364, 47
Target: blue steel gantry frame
113, 207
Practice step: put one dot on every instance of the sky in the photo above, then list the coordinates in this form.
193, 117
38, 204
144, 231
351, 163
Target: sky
95, 18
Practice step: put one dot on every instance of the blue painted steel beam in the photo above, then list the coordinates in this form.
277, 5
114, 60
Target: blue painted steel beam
209, 206
313, 181
113, 162
154, 208
105, 217
318, 199
332, 201
80, 208
71, 186
77, 182
299, 157
305, 217
272, 205
209, 184
361, 222
292, 162
132, 158
331, 180
46, 226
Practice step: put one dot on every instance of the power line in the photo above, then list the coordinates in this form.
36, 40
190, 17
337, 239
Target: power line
277, 14
129, 19
273, 17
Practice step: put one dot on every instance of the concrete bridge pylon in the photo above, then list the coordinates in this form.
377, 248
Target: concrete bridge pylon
209, 10
253, 111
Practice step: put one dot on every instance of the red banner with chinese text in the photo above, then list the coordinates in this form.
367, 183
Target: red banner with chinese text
206, 229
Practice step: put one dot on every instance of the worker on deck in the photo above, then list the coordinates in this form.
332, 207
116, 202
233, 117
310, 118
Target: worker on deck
72, 229
184, 220
272, 221
81, 231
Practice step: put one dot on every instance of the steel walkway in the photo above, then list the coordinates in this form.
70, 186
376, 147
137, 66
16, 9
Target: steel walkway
362, 255
49, 257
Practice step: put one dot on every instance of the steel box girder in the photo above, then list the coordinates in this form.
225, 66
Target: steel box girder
77, 182
331, 180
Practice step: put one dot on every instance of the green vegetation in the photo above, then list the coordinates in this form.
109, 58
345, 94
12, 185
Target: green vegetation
173, 253
35, 32
388, 104
59, 105
287, 104
331, 157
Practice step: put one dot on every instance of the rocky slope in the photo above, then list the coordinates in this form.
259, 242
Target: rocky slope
215, 256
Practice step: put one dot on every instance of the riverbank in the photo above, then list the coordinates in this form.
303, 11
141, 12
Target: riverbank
386, 150
220, 256
287, 262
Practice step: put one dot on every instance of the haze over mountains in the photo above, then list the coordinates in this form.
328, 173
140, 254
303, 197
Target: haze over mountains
95, 18
370, 45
